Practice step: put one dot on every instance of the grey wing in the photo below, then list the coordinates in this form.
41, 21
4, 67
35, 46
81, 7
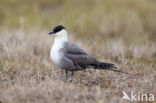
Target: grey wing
73, 49
79, 57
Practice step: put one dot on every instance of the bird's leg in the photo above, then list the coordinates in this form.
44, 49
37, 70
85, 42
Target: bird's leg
72, 74
66, 74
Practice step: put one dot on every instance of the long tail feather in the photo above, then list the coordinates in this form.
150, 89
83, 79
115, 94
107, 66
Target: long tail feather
110, 66
117, 70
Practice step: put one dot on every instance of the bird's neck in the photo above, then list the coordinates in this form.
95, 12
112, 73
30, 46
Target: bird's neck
61, 39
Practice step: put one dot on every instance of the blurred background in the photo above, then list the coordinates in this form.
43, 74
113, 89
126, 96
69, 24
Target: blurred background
122, 32
131, 19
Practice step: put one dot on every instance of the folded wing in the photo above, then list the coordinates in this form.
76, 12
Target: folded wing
79, 57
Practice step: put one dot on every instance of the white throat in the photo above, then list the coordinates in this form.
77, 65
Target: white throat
61, 36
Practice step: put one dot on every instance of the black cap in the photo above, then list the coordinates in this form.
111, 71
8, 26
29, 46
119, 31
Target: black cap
57, 29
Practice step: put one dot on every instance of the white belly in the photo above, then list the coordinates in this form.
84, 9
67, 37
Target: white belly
55, 54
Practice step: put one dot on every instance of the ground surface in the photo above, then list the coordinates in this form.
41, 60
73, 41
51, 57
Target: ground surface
118, 31
27, 75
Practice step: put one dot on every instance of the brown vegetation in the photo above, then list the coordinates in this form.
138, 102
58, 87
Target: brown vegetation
118, 31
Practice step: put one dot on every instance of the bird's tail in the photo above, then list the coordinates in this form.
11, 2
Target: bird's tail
109, 66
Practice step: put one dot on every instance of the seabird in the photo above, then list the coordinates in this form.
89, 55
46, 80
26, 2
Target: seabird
70, 57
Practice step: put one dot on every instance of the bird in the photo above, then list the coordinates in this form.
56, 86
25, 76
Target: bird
71, 57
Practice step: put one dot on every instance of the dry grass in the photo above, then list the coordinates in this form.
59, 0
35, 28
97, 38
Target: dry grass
27, 75
118, 31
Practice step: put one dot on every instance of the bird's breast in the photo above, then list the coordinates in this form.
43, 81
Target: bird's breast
55, 53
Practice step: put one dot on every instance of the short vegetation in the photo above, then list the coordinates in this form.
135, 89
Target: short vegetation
119, 31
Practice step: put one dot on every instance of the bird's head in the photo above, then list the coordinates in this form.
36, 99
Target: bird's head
59, 31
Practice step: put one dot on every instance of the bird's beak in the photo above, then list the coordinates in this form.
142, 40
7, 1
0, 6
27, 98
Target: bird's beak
50, 33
